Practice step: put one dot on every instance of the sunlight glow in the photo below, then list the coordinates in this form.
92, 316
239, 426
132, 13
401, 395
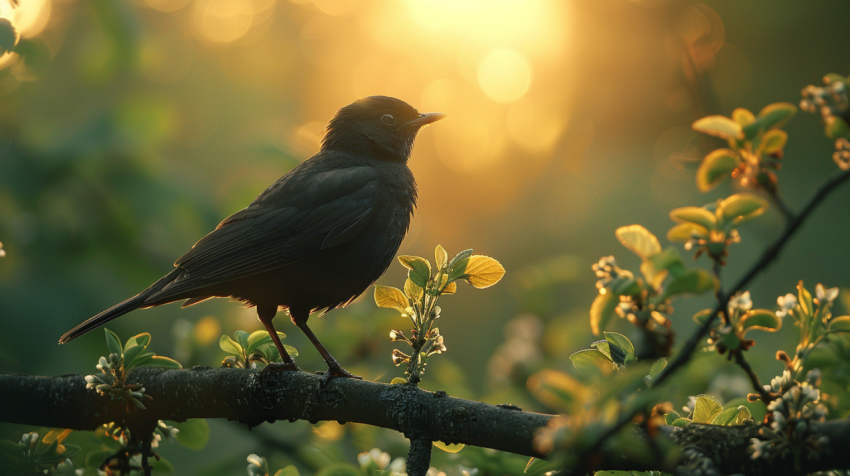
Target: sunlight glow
504, 75
223, 21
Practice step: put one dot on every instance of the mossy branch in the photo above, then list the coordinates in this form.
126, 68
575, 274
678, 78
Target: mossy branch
245, 396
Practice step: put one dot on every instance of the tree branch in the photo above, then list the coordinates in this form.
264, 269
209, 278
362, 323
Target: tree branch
423, 416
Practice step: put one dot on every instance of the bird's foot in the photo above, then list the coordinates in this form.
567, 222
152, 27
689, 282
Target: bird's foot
335, 371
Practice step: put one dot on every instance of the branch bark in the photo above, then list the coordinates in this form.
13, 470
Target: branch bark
250, 398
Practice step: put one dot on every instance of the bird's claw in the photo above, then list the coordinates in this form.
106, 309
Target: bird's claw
335, 371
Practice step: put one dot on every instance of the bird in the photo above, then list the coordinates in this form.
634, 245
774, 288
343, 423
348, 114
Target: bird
312, 241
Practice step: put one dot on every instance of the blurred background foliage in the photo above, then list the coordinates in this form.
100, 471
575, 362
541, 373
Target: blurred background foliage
130, 129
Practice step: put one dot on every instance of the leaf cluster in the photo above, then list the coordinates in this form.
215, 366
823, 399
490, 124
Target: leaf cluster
250, 350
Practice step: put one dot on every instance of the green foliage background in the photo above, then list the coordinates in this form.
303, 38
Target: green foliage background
107, 174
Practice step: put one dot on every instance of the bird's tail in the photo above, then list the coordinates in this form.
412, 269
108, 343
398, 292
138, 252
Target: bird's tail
135, 302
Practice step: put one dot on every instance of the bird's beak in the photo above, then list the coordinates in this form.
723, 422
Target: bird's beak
424, 119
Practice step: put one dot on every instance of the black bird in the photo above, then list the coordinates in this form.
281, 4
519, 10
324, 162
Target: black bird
315, 239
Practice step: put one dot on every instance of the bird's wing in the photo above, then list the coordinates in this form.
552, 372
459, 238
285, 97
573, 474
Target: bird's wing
293, 219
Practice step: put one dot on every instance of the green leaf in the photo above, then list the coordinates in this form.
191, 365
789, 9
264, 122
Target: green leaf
591, 362
440, 257
760, 319
773, 141
638, 240
257, 339
839, 324
420, 269
726, 417
719, 126
160, 361
113, 342
776, 115
390, 297
669, 260
696, 215
715, 167
478, 270
194, 433
743, 117
681, 422
141, 360
671, 417
695, 281
288, 471
658, 366
804, 297
702, 316
8, 35
449, 448
740, 207
539, 466
621, 342
230, 346
706, 409
459, 257
130, 355
836, 127
602, 346
743, 415
684, 232
242, 338
139, 339
601, 310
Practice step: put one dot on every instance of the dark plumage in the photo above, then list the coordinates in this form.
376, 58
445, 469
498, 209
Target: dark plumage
313, 240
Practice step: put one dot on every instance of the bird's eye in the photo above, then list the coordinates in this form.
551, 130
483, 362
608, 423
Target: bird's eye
388, 119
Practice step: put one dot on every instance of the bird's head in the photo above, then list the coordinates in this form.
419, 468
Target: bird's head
381, 126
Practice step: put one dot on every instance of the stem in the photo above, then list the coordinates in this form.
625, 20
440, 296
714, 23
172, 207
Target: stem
767, 257
742, 362
780, 204
419, 456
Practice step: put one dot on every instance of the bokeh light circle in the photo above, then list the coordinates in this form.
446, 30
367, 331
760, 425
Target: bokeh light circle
223, 21
504, 75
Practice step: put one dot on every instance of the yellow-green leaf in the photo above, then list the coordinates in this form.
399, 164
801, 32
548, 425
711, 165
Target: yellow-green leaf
440, 257
398, 381
836, 127
839, 324
776, 115
479, 270
743, 116
288, 471
681, 422
556, 389
719, 126
706, 409
449, 448
760, 319
696, 215
390, 297
601, 311
622, 342
139, 339
684, 232
450, 289
741, 207
420, 269
194, 433
413, 291
743, 415
229, 345
773, 141
804, 297
638, 240
695, 281
715, 167
592, 362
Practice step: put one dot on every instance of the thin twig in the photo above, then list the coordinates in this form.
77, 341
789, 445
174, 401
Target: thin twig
742, 362
780, 204
767, 257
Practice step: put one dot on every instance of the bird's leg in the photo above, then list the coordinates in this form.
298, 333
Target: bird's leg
334, 369
266, 314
